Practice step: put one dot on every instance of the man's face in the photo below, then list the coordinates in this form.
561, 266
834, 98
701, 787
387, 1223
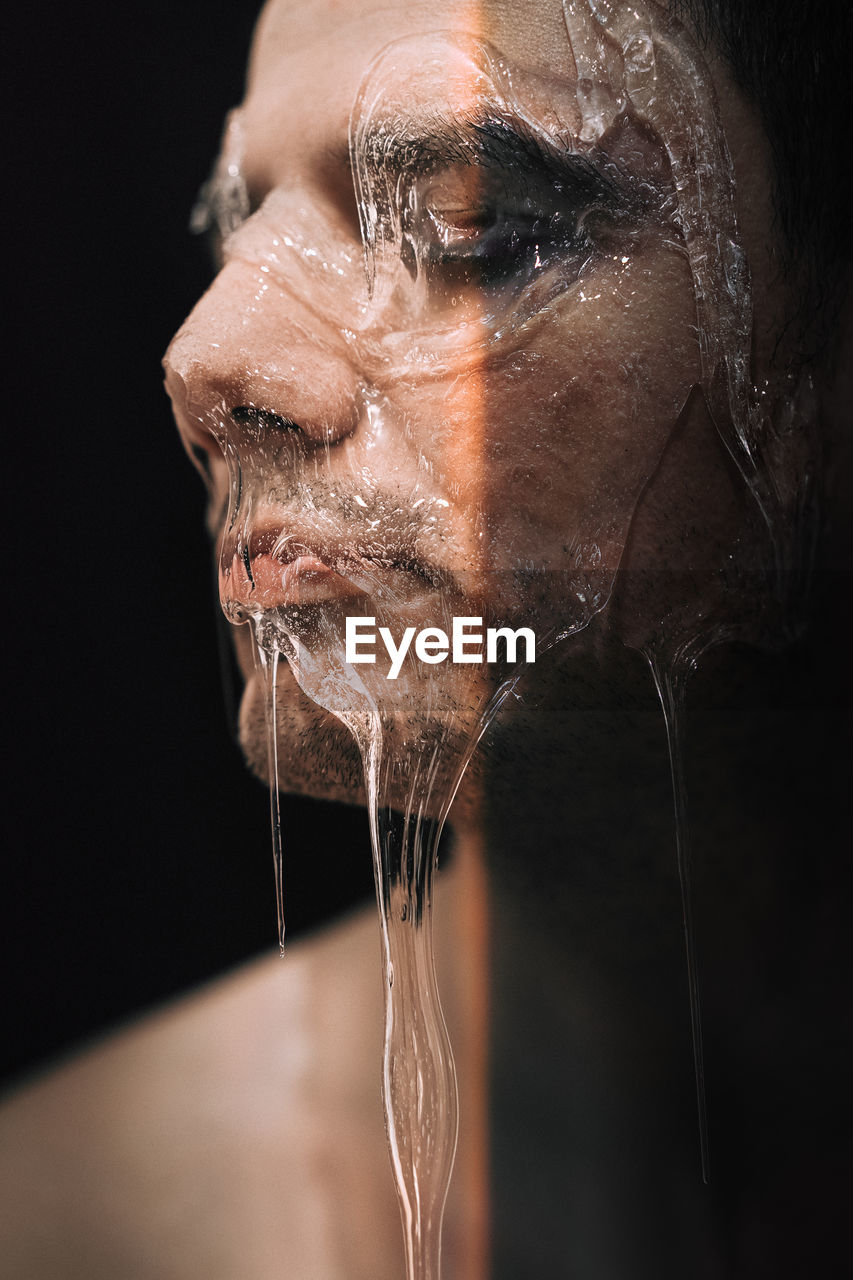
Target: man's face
474, 434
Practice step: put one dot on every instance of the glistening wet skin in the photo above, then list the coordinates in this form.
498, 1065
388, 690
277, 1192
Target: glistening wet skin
548, 285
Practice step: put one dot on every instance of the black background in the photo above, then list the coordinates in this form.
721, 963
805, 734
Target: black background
137, 858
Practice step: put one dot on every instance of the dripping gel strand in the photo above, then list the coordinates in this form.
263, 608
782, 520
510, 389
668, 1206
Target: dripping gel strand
418, 1073
268, 662
670, 682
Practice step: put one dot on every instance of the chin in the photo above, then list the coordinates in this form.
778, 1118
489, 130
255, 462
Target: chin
317, 755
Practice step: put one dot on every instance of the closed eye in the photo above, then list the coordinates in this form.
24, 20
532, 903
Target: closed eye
491, 203
485, 228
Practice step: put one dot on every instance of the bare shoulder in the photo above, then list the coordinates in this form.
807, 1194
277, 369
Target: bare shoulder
220, 1137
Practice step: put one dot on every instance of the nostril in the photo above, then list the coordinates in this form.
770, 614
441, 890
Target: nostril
245, 414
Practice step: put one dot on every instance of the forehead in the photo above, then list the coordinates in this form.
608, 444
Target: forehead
309, 58
531, 31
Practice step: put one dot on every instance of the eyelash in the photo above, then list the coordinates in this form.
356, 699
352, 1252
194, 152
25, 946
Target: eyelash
506, 239
511, 244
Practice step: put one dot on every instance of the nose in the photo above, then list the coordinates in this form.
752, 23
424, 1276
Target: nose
248, 352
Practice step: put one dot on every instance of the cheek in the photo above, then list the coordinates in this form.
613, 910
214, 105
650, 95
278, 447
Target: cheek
576, 420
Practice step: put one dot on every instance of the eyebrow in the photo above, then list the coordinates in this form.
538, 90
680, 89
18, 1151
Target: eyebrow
500, 142
495, 138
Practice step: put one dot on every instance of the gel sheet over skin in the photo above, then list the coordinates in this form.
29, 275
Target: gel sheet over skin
510, 227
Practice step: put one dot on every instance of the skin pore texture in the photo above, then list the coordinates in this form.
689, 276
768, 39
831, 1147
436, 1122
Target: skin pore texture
240, 1133
258, 341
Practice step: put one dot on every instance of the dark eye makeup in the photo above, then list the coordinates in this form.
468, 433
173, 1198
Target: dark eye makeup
499, 205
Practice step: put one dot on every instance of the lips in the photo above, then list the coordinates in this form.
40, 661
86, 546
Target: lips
305, 580
275, 570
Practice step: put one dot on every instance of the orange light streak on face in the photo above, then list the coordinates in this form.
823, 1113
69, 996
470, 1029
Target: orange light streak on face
471, 961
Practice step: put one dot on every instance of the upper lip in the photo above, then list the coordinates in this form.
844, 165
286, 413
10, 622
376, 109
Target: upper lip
327, 569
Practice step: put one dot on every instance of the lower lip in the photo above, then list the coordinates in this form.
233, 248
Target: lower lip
308, 580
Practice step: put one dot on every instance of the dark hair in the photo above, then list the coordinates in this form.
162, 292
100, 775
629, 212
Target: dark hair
791, 60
